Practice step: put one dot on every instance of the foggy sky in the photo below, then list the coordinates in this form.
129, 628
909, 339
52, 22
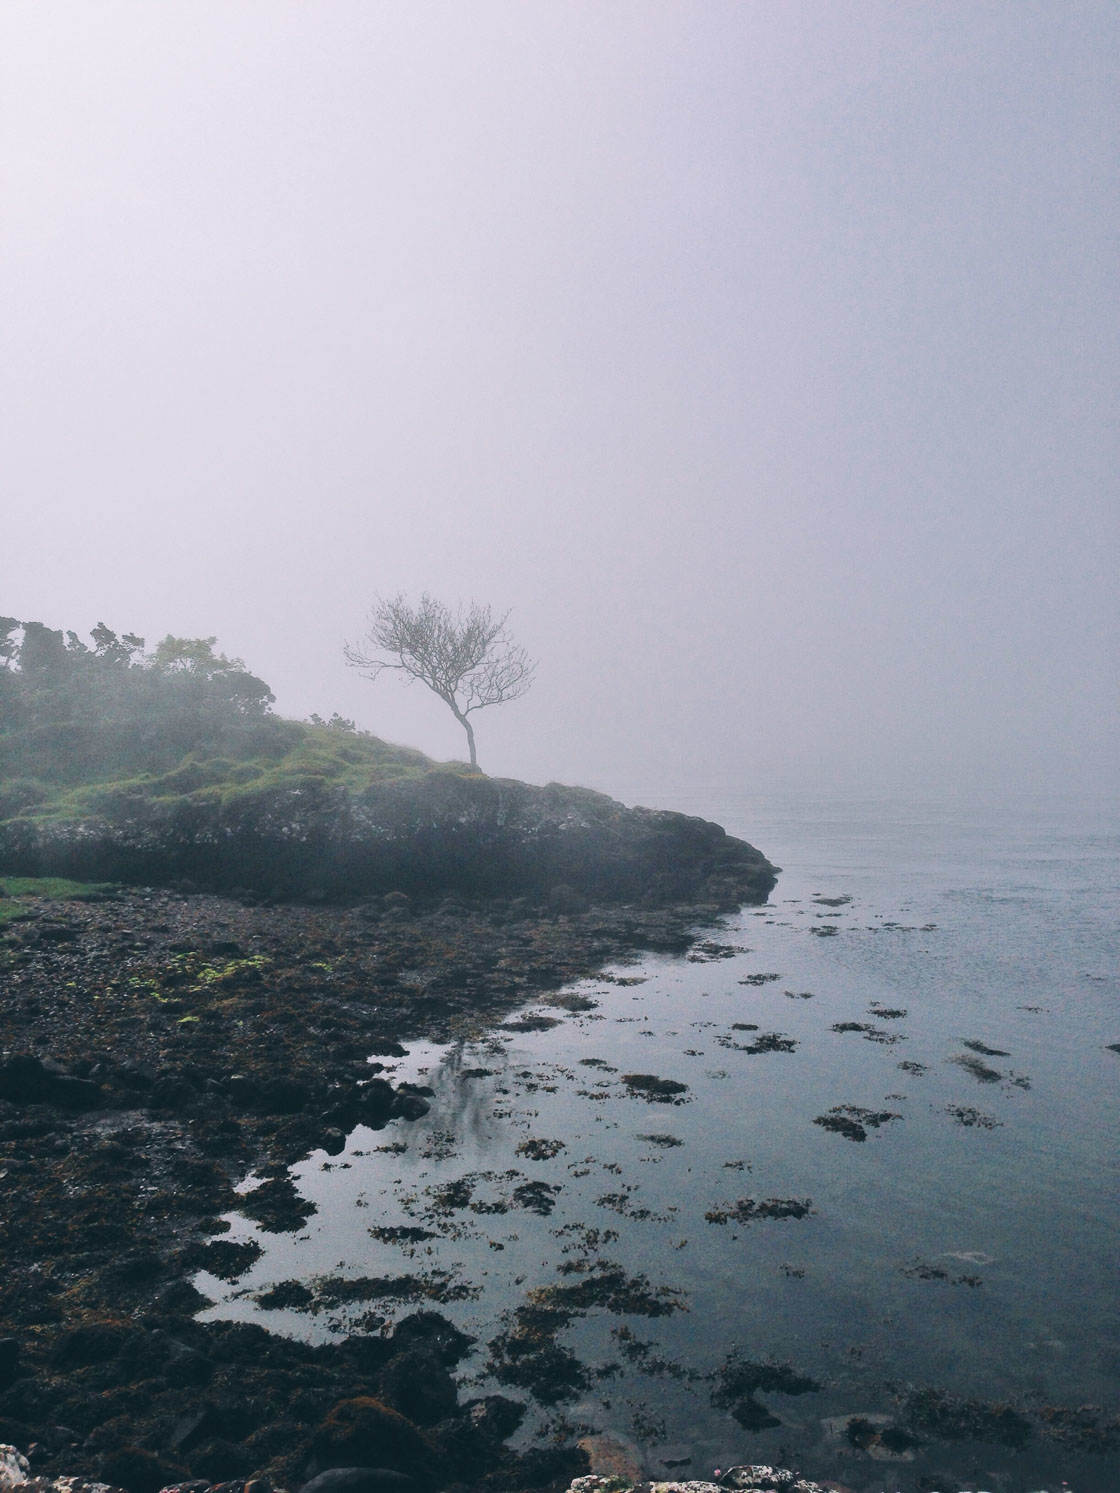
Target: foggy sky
761, 357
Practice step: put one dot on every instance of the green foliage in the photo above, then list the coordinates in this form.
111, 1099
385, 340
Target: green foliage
168, 765
72, 712
106, 731
17, 893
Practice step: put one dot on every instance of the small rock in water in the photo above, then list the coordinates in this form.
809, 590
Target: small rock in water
671, 1454
613, 1456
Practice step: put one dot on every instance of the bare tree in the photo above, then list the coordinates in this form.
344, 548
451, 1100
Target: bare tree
464, 656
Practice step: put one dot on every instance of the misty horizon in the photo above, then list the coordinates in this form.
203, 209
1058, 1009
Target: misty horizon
761, 362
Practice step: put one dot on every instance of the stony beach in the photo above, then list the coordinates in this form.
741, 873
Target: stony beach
158, 1046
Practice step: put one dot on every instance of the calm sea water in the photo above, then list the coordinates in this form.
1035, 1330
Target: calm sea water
968, 1244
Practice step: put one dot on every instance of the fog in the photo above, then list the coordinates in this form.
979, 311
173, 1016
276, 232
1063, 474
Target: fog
760, 358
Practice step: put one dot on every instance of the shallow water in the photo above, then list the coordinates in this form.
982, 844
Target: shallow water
968, 1243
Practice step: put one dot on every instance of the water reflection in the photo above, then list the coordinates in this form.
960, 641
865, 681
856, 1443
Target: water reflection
949, 1247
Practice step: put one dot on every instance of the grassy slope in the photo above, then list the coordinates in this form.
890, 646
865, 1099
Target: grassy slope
304, 754
18, 893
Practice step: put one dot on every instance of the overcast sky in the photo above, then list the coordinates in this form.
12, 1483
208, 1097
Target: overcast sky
761, 357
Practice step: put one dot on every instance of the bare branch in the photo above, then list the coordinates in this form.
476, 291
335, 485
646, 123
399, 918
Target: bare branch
464, 656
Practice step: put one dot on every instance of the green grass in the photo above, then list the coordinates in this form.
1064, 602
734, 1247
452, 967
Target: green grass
17, 892
320, 755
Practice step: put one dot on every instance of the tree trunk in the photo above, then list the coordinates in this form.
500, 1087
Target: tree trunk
469, 729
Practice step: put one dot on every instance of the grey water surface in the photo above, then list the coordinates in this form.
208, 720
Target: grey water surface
967, 1244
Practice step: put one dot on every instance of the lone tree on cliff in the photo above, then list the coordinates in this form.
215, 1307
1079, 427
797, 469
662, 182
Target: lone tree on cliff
465, 656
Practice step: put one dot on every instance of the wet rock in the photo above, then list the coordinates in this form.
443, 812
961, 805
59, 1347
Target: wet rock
285, 1295
537, 1149
139, 1471
365, 1432
94, 1342
612, 1455
853, 1122
872, 1435
226, 1258
434, 1334
180, 1299
408, 1107
655, 1090
536, 1197
198, 1426
768, 1042
418, 1384
970, 1117
746, 1210
26, 1079
531, 1023
758, 1478
360, 1480
933, 1412
739, 1380
371, 1102
277, 1206
494, 1417
671, 1454
269, 1096
1086, 1427
979, 1070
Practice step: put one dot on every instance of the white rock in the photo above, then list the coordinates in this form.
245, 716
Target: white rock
14, 1467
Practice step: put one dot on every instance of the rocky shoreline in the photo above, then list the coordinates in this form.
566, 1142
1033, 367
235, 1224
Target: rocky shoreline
16, 1472
155, 1047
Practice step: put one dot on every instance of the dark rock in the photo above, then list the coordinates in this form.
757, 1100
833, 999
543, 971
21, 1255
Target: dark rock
93, 1342
222, 1462
9, 1361
495, 1417
408, 1107
225, 1258
285, 1295
277, 1206
418, 1385
933, 1412
180, 1299
199, 1425
545, 1465
139, 1471
752, 1414
375, 1101
654, 1089
364, 1432
360, 1480
437, 832
25, 1079
171, 1095
433, 1333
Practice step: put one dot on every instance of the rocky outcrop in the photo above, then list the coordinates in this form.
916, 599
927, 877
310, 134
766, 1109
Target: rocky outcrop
439, 831
15, 1472
753, 1478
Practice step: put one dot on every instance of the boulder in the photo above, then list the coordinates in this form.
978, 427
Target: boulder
365, 1432
360, 1480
